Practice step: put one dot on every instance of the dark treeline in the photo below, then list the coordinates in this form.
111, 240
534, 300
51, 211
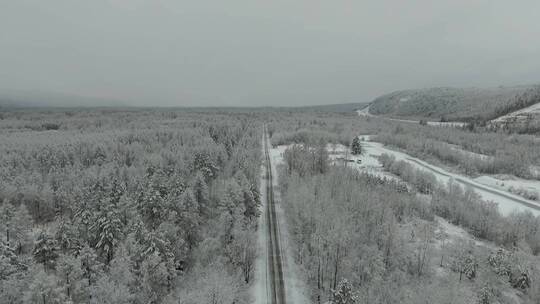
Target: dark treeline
127, 206
526, 99
313, 128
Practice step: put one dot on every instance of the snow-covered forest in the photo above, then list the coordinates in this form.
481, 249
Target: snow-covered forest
408, 238
269, 152
154, 206
127, 206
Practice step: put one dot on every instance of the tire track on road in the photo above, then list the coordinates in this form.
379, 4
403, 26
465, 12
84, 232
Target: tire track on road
274, 261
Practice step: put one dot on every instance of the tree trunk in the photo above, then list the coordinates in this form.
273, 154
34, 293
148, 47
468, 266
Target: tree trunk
336, 267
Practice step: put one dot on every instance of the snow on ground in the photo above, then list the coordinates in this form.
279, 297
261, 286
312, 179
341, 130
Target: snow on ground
365, 112
453, 233
453, 124
535, 171
340, 155
531, 110
507, 202
259, 291
296, 290
511, 184
469, 153
366, 162
489, 188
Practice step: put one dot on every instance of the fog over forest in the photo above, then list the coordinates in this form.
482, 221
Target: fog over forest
262, 53
269, 152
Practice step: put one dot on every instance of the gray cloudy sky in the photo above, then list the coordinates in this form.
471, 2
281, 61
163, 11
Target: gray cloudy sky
255, 52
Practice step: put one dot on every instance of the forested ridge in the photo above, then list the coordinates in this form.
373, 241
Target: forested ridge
127, 206
447, 103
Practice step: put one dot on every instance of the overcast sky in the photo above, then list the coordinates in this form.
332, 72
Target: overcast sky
264, 52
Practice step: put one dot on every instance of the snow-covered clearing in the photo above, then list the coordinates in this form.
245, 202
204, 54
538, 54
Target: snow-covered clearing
450, 233
364, 112
469, 153
340, 155
365, 162
511, 184
507, 202
489, 188
531, 110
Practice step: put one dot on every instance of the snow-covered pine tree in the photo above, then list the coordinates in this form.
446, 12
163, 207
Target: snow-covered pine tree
151, 205
107, 230
45, 250
200, 190
22, 224
67, 237
9, 261
189, 218
356, 147
485, 295
250, 198
90, 264
7, 211
344, 293
205, 165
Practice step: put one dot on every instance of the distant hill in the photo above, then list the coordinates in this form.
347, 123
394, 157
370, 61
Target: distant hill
33, 99
456, 104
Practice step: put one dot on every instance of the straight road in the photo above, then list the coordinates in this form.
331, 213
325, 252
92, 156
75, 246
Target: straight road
478, 186
275, 283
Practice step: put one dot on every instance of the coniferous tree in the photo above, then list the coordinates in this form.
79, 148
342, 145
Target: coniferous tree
9, 261
200, 190
45, 250
90, 265
485, 295
344, 293
7, 212
67, 237
107, 230
22, 224
356, 146
189, 218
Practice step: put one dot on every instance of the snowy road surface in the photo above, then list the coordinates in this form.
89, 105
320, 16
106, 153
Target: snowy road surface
507, 202
276, 276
